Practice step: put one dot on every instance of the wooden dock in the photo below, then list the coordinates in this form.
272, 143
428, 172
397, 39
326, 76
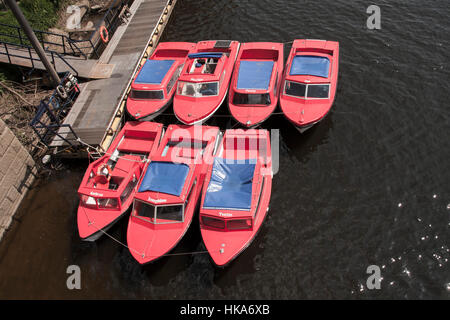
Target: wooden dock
90, 69
97, 113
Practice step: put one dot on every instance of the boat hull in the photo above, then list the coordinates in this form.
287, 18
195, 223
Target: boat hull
201, 120
154, 85
232, 211
196, 107
149, 242
250, 77
305, 109
98, 232
105, 198
153, 115
150, 236
222, 247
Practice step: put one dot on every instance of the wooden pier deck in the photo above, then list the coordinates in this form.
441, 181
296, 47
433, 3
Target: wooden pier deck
91, 69
96, 114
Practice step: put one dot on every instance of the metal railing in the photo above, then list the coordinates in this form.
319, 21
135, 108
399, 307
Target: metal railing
63, 44
14, 35
50, 114
111, 20
23, 51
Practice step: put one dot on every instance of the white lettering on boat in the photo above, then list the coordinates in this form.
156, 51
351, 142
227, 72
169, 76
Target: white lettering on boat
96, 194
156, 200
225, 214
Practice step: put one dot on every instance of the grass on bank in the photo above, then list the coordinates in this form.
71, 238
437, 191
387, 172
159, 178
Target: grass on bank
41, 14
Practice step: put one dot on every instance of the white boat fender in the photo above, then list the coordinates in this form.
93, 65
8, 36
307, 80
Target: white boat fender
61, 92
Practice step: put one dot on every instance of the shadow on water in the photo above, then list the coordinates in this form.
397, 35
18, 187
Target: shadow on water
302, 145
247, 263
160, 272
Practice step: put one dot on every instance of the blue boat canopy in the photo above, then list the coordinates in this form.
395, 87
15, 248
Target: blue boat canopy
154, 71
230, 186
310, 65
166, 177
254, 74
205, 55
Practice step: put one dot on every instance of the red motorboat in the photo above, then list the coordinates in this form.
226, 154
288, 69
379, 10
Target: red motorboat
168, 193
107, 189
256, 81
204, 80
236, 193
309, 82
153, 87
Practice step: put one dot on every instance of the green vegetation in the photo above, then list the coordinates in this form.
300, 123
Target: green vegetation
42, 14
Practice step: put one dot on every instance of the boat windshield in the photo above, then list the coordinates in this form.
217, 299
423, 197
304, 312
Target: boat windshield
196, 90
231, 224
169, 214
319, 91
159, 214
295, 89
147, 94
253, 98
311, 91
99, 203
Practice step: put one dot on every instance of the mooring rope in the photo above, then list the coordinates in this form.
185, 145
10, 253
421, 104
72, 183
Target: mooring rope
107, 153
138, 252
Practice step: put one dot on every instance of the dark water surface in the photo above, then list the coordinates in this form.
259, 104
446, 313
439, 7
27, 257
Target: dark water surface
370, 185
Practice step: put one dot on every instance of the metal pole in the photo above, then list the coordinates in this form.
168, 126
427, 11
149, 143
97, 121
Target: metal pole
34, 41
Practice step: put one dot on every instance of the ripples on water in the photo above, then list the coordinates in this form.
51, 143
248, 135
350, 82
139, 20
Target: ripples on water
369, 185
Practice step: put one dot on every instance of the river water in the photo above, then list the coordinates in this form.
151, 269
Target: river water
370, 185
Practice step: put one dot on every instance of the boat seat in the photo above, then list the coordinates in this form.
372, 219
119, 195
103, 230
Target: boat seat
125, 164
134, 145
101, 181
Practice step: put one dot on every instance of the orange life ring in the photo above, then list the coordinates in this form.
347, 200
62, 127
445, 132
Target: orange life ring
104, 34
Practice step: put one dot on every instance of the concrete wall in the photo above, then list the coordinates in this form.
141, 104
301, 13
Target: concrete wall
17, 173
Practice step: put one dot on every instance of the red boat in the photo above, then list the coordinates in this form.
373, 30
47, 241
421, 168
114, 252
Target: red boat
236, 193
256, 82
153, 87
107, 189
204, 80
169, 191
309, 82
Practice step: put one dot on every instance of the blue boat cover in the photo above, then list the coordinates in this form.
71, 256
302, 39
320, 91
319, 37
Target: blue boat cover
205, 55
166, 177
230, 186
310, 65
254, 74
154, 71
